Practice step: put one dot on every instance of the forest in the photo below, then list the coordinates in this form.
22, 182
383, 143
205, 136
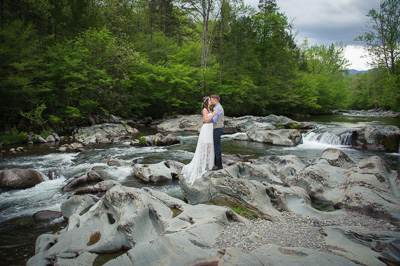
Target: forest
64, 60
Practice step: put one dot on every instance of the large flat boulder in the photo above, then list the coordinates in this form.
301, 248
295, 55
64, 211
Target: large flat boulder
103, 133
280, 137
369, 186
137, 220
193, 123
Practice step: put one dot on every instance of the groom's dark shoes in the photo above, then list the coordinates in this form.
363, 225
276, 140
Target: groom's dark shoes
216, 168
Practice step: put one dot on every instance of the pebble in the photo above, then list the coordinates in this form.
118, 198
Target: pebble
295, 231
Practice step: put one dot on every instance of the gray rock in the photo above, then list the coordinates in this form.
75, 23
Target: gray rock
103, 133
74, 146
160, 172
276, 255
280, 137
113, 163
372, 187
103, 139
378, 138
364, 246
336, 157
62, 149
47, 215
53, 174
241, 137
99, 188
160, 140
40, 139
193, 123
235, 185
20, 178
321, 180
56, 136
285, 168
138, 220
77, 204
50, 138
369, 187
83, 179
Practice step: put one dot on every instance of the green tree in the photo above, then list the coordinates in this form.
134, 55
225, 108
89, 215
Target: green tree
382, 36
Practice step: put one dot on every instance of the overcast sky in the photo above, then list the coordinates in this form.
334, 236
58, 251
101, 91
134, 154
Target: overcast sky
329, 21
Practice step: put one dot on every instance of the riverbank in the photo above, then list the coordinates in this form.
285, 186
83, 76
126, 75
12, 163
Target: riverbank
368, 113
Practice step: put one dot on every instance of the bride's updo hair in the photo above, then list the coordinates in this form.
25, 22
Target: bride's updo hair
205, 102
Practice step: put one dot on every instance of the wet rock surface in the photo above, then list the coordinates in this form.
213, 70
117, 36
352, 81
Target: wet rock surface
103, 133
193, 123
280, 137
378, 138
156, 140
244, 214
160, 172
20, 178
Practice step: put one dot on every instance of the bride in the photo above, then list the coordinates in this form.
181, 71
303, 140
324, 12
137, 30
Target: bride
203, 158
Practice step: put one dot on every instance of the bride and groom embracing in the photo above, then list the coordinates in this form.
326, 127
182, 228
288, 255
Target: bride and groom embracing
208, 154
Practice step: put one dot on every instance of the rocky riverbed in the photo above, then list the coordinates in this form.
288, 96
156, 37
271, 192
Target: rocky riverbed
274, 216
254, 210
296, 231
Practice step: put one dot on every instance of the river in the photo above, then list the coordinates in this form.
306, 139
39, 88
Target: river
18, 231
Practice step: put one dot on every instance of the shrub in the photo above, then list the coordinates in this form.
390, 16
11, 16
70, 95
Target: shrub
243, 212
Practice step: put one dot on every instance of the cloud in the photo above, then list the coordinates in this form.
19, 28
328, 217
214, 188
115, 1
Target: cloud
357, 57
324, 22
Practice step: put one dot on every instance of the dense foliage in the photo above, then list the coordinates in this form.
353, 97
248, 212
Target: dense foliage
381, 87
63, 60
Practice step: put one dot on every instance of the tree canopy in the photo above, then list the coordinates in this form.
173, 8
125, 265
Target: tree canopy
64, 60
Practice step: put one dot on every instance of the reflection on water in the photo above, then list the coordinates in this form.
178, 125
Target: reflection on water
18, 232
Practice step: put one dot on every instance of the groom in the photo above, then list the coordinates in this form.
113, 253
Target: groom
218, 121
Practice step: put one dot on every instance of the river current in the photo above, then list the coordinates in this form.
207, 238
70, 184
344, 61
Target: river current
18, 231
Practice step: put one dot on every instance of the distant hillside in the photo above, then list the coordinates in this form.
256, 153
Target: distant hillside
355, 72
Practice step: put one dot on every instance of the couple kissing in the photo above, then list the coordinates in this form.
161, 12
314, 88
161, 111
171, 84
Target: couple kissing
208, 154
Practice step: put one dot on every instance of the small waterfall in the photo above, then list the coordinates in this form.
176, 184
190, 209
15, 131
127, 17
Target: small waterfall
329, 136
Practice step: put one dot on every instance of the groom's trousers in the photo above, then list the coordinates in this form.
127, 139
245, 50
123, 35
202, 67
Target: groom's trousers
217, 146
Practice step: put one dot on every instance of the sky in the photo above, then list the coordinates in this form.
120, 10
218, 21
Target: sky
324, 22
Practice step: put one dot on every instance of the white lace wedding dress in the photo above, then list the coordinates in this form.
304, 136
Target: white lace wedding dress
203, 158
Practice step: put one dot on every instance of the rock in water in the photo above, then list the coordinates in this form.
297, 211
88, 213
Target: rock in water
113, 163
90, 177
50, 138
47, 215
280, 137
159, 140
160, 172
378, 138
20, 178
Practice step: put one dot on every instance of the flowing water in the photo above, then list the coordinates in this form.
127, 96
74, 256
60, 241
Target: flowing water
18, 231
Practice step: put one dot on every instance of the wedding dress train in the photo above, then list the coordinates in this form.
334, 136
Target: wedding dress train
203, 158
